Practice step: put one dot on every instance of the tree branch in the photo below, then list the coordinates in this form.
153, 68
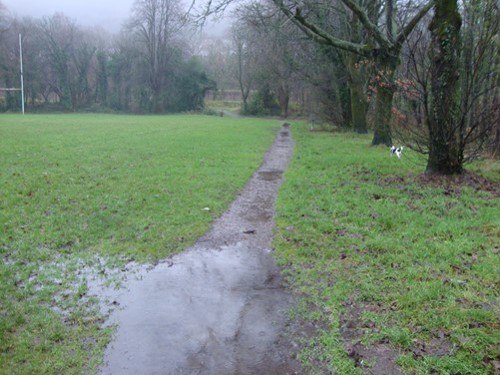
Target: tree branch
318, 34
370, 26
413, 22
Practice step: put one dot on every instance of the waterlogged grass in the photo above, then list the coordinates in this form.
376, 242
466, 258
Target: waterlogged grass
80, 192
388, 266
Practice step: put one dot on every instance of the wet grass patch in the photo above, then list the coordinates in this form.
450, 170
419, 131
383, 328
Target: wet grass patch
398, 271
83, 195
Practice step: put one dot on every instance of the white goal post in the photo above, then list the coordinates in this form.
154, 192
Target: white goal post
22, 80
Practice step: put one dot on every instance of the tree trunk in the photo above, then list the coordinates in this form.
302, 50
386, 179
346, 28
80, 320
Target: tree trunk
245, 92
358, 107
358, 100
383, 106
357, 81
101, 85
445, 153
283, 99
384, 81
64, 90
345, 104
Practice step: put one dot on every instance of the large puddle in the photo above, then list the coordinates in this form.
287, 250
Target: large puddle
219, 307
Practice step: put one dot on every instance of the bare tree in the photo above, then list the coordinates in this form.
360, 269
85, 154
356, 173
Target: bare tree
358, 66
479, 121
155, 27
72, 68
245, 56
275, 48
219, 61
383, 46
122, 75
451, 127
58, 36
82, 61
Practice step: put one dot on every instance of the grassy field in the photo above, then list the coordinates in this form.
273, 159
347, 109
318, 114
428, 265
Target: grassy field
393, 268
232, 106
96, 191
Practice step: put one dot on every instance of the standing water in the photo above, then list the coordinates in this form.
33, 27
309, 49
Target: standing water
219, 307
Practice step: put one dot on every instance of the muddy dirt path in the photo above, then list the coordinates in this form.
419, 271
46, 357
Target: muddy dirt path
219, 307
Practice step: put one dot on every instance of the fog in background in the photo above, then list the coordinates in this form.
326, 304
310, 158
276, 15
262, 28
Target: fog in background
108, 14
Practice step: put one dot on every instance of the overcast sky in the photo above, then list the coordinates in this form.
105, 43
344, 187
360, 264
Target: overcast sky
110, 14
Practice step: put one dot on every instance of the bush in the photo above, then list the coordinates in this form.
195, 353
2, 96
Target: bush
263, 103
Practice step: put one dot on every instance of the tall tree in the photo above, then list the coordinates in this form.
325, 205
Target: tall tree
82, 62
275, 48
156, 24
383, 46
479, 123
448, 87
245, 56
58, 35
101, 87
444, 108
464, 108
121, 76
357, 65
218, 58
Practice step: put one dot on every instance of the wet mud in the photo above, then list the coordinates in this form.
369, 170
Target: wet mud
220, 306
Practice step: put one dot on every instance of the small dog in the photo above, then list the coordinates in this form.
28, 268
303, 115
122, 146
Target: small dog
397, 151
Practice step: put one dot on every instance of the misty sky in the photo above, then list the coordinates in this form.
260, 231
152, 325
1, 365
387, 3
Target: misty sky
109, 14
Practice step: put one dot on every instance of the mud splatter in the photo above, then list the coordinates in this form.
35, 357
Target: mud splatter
376, 358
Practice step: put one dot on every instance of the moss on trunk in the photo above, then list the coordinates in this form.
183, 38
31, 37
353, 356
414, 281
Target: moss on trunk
445, 151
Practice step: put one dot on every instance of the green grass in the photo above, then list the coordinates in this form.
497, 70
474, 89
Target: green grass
232, 106
373, 249
80, 191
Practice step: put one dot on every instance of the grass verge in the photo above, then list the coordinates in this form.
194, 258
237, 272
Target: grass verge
396, 274
92, 192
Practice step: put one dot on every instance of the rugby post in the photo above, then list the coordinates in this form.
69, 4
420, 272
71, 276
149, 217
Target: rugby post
22, 80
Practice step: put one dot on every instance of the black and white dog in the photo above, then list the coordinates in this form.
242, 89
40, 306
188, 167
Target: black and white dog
397, 151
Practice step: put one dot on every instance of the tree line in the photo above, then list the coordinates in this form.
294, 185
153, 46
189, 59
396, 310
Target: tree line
147, 68
424, 73
420, 72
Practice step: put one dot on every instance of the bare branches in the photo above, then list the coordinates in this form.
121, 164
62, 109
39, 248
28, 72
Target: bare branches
211, 8
412, 23
387, 43
371, 27
317, 33
387, 39
474, 127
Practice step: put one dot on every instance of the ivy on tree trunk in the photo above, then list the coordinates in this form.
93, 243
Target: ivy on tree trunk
445, 153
